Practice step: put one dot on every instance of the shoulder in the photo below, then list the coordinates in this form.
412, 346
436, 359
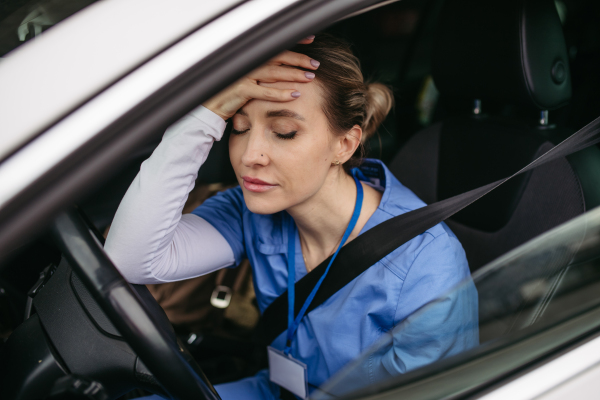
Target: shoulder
224, 211
229, 208
435, 249
233, 197
228, 214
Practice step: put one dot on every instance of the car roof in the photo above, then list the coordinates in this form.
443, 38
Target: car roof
48, 77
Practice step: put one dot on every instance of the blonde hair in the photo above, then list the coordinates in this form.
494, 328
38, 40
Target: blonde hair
348, 99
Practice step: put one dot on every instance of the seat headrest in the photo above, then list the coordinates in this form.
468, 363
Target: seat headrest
509, 51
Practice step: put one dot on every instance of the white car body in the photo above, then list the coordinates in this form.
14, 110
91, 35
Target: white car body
73, 84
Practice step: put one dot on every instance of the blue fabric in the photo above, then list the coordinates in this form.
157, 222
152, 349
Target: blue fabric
294, 322
257, 387
353, 319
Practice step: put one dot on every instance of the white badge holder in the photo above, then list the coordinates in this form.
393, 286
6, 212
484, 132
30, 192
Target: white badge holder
221, 297
288, 372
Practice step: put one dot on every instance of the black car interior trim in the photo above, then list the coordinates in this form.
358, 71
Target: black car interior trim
37, 368
507, 53
143, 324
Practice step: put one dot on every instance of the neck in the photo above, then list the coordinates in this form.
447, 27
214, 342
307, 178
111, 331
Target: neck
323, 218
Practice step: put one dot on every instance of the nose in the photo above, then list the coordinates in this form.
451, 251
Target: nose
255, 153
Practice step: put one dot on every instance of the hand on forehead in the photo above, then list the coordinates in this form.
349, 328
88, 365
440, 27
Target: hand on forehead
308, 102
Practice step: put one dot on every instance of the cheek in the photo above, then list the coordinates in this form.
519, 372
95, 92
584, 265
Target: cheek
304, 166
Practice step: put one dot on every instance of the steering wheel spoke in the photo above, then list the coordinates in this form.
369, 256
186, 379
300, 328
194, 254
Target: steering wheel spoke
134, 312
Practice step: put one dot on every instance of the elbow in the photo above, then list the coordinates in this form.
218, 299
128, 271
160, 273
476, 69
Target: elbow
131, 270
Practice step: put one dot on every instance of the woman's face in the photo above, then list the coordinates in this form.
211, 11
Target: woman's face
282, 152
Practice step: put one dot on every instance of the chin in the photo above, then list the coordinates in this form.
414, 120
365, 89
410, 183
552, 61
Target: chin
261, 204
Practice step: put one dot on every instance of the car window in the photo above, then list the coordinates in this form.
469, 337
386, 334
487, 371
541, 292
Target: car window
526, 292
23, 20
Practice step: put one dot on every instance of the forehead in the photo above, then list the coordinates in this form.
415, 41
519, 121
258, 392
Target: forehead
308, 103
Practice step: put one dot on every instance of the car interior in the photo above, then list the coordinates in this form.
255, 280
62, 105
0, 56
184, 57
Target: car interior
480, 92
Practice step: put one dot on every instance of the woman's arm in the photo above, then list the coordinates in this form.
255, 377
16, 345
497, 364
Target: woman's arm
149, 240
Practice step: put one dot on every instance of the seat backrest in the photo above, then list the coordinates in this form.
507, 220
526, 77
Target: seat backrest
510, 53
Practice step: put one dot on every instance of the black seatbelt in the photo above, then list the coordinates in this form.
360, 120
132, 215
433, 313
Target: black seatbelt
379, 241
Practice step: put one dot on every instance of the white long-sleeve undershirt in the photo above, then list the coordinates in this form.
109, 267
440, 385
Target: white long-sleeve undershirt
149, 240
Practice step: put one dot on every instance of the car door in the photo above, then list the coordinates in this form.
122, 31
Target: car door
48, 163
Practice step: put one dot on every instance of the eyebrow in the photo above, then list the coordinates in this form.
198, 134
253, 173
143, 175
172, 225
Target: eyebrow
285, 113
277, 113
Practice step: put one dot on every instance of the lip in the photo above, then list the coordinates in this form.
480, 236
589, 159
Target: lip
256, 185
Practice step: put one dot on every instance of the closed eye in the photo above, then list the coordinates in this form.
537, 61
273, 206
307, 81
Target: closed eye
289, 135
236, 132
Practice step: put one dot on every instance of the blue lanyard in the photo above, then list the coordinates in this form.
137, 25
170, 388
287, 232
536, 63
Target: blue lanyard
294, 323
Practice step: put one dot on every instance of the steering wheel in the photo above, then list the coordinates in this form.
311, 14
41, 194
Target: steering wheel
149, 334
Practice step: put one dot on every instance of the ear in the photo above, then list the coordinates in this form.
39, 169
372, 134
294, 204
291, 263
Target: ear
348, 143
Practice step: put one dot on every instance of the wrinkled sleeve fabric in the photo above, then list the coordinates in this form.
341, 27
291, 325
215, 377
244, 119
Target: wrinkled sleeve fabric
439, 282
149, 239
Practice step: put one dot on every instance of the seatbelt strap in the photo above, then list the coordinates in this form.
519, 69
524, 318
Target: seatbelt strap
379, 241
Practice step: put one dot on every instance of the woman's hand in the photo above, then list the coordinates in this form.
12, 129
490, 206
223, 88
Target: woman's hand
279, 69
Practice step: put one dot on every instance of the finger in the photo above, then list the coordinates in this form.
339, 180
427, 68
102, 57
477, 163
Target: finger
271, 94
307, 40
295, 60
276, 73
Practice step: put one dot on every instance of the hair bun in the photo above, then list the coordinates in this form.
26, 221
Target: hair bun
380, 100
348, 100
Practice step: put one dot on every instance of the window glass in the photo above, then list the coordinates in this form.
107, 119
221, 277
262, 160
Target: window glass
537, 286
23, 20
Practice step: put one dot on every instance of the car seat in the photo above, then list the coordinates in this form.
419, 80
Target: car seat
509, 53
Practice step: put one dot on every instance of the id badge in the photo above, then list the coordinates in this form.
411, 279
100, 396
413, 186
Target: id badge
288, 372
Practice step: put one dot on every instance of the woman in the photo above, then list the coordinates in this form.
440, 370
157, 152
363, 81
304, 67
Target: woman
297, 125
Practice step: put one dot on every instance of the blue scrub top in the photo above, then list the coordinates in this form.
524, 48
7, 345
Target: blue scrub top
354, 318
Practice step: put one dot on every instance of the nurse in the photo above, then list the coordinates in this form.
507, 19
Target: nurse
298, 127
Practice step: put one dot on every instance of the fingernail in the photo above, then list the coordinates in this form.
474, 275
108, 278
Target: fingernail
309, 75
296, 95
311, 37
315, 63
